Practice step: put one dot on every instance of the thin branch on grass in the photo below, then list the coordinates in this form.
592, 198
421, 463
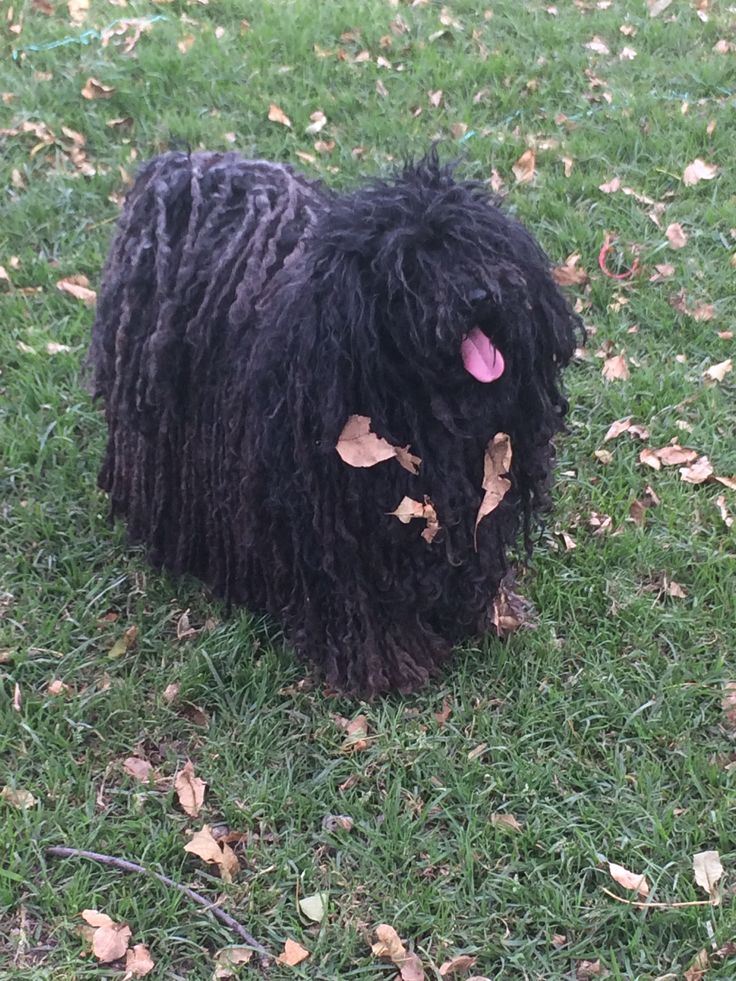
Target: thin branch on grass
125, 866
640, 904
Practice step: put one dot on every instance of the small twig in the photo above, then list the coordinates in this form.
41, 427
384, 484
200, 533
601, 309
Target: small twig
646, 905
126, 866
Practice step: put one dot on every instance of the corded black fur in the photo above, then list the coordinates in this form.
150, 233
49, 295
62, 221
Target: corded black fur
245, 314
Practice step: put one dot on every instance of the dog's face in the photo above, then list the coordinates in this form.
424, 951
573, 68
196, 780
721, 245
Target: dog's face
444, 287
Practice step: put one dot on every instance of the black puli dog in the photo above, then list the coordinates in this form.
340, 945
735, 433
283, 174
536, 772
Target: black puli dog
337, 408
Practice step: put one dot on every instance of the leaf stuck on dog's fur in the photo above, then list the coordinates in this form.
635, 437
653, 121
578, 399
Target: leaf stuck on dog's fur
409, 509
496, 466
359, 447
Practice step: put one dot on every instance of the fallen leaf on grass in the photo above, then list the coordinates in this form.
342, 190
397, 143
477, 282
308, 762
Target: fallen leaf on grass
663, 271
138, 962
58, 687
589, 970
314, 907
54, 348
390, 947
723, 511
629, 880
506, 821
227, 961
510, 611
277, 115
524, 170
123, 644
676, 235
189, 790
78, 287
94, 89
496, 484
318, 122
444, 713
186, 43
435, 98
569, 273
698, 171
109, 939
137, 768
627, 54
457, 966
616, 368
78, 10
598, 45
213, 852
717, 372
708, 870
728, 705
698, 472
626, 425
655, 7
409, 509
359, 447
699, 967
337, 822
22, 799
673, 455
356, 732
292, 954
703, 312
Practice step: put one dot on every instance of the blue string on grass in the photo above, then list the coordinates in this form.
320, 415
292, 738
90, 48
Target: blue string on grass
86, 37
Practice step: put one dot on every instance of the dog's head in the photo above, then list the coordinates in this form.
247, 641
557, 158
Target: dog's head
440, 287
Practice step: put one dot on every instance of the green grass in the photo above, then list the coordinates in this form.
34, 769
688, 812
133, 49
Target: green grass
603, 728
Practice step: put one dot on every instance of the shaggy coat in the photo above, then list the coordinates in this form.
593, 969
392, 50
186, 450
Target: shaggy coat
246, 313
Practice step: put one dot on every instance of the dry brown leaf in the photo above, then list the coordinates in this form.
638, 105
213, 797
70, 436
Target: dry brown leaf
17, 797
204, 846
510, 611
190, 790
186, 43
110, 939
355, 733
627, 54
228, 960
723, 46
496, 465
674, 589
569, 273
138, 962
78, 287
524, 170
435, 98
124, 644
324, 146
359, 447
58, 687
52, 347
589, 970
708, 870
723, 511
292, 954
318, 121
717, 372
629, 880
506, 821
78, 10
409, 509
137, 768
673, 455
703, 311
567, 165
700, 471
598, 45
656, 7
698, 968
728, 705
277, 115
626, 425
729, 482
457, 966
676, 235
663, 271
616, 368
698, 171
390, 947
610, 187
94, 89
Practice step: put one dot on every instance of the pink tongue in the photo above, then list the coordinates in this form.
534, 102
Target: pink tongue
481, 358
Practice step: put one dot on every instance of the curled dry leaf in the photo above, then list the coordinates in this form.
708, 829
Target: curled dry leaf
655, 7
616, 368
227, 961
676, 235
435, 98
698, 171
708, 870
204, 846
17, 797
626, 425
728, 706
629, 880
457, 966
277, 115
598, 45
673, 455
506, 821
699, 967
359, 447
355, 733
510, 611
138, 962
78, 10
569, 273
496, 466
78, 287
717, 372
723, 511
524, 170
318, 121
94, 89
409, 509
137, 768
190, 790
292, 954
186, 43
390, 947
109, 939
663, 271
698, 472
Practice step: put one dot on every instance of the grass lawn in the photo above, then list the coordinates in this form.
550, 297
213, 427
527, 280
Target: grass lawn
602, 731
